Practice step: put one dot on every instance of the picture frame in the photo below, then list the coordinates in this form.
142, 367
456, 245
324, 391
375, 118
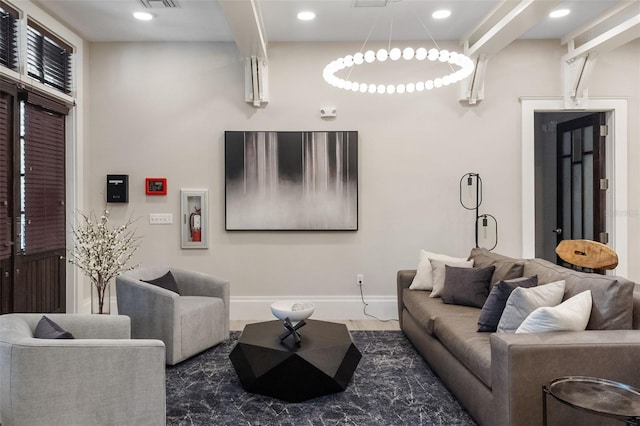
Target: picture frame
155, 186
194, 218
291, 180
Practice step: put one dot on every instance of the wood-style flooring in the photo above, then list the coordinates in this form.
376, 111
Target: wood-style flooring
365, 324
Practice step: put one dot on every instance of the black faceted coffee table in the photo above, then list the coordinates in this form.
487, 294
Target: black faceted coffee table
324, 362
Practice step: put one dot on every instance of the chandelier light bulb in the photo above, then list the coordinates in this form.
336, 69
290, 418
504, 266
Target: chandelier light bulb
348, 61
369, 56
465, 64
408, 53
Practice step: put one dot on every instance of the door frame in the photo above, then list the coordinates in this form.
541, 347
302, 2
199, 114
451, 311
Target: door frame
617, 166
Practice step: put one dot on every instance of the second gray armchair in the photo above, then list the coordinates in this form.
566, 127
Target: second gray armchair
188, 321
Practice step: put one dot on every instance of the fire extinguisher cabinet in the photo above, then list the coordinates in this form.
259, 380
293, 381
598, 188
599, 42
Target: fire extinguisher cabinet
194, 218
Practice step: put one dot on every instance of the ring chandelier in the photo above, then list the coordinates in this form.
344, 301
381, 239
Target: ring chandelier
464, 62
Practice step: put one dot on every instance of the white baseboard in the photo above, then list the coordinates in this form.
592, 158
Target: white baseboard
246, 308
326, 307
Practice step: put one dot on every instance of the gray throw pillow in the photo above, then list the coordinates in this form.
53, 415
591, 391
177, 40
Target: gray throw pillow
466, 286
47, 329
523, 301
497, 300
167, 281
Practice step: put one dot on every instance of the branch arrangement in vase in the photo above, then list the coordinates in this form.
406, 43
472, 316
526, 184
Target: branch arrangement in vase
102, 251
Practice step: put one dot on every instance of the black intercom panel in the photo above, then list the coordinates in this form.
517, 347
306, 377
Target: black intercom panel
117, 188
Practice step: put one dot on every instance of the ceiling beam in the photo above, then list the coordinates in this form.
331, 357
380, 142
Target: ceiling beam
605, 34
247, 26
504, 24
512, 23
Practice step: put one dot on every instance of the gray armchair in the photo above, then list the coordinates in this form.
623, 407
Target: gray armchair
101, 377
187, 323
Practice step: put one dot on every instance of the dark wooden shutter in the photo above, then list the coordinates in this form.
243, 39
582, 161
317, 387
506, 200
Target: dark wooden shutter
44, 179
6, 177
8, 36
48, 58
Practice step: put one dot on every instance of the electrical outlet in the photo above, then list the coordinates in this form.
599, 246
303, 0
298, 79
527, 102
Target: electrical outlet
360, 279
160, 218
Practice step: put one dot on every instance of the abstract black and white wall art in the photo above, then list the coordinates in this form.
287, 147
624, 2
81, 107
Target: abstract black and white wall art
291, 180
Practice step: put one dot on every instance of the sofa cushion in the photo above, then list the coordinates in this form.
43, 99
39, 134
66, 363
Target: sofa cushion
612, 307
423, 280
523, 301
466, 286
497, 300
457, 333
440, 272
506, 267
425, 309
570, 315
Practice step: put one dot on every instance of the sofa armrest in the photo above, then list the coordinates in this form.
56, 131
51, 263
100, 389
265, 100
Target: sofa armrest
404, 280
151, 308
193, 283
82, 381
522, 364
88, 326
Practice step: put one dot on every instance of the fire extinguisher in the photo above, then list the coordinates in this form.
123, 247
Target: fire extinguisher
195, 225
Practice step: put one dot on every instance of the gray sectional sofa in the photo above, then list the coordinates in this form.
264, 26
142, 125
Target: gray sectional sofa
498, 377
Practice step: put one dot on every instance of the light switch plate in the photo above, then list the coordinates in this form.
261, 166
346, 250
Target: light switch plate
160, 218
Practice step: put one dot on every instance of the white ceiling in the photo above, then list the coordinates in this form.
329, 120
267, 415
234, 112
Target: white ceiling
336, 20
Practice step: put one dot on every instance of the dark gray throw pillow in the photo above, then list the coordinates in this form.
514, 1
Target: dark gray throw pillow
497, 300
466, 286
167, 281
47, 329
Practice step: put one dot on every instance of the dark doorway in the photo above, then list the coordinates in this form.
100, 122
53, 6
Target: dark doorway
570, 179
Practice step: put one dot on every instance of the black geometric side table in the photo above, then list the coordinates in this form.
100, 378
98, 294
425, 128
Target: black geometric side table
324, 362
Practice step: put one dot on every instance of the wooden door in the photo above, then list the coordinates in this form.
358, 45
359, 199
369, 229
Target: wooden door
582, 183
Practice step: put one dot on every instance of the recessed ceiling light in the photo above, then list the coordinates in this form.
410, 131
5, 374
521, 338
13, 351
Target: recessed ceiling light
559, 13
143, 16
306, 16
441, 14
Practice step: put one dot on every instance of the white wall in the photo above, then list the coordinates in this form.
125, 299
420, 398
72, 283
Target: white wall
160, 110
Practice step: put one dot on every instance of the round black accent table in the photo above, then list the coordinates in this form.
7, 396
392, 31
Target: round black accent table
597, 396
323, 363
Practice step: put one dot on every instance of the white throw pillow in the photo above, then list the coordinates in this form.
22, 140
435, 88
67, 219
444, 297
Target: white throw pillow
571, 315
523, 301
423, 279
439, 270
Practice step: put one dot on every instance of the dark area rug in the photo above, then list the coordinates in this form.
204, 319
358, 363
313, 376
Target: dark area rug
391, 386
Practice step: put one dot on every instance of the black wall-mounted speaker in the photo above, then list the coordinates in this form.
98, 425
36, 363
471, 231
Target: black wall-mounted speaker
117, 188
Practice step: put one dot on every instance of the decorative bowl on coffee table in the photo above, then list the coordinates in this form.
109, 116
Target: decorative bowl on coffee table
294, 310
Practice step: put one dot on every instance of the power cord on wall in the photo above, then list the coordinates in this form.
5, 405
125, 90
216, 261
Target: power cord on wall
365, 304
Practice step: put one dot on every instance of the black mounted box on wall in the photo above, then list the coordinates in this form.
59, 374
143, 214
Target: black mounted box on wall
117, 188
